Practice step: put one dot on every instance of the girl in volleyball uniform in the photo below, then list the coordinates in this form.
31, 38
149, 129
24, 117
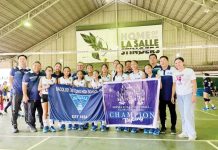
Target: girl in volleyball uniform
96, 83
207, 82
79, 82
105, 76
149, 74
88, 76
115, 63
135, 75
44, 83
66, 80
119, 76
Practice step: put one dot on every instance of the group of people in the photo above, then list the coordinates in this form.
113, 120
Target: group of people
30, 86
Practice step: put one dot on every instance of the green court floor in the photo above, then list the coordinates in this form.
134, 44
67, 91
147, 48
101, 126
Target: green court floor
206, 126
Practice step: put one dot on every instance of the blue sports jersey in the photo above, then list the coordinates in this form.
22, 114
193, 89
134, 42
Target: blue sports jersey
17, 74
207, 82
32, 81
167, 83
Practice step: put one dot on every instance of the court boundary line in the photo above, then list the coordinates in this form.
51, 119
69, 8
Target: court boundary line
213, 145
37, 144
207, 113
106, 138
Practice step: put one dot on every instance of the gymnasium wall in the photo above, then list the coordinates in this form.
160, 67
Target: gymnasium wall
173, 35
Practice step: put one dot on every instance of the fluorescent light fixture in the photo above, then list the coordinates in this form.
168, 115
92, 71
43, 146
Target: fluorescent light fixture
206, 10
27, 23
177, 54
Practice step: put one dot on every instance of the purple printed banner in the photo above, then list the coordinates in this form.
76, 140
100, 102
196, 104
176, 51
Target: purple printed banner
132, 103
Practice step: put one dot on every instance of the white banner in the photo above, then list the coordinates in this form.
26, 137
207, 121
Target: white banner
130, 43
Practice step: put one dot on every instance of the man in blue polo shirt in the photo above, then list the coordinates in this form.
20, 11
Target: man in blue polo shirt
15, 80
153, 62
166, 74
31, 96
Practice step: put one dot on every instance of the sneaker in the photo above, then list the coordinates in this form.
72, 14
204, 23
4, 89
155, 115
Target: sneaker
126, 129
86, 126
173, 131
134, 130
75, 127
103, 128
146, 131
32, 129
151, 131
81, 128
41, 126
94, 128
62, 127
52, 129
163, 130
70, 127
156, 131
192, 138
205, 108
119, 129
213, 107
182, 135
15, 130
45, 129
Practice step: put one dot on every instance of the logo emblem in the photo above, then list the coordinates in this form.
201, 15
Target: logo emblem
80, 101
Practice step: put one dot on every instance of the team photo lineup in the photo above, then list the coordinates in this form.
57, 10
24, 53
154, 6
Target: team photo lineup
178, 87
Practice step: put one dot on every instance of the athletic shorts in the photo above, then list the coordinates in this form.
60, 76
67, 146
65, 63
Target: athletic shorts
44, 98
207, 90
207, 100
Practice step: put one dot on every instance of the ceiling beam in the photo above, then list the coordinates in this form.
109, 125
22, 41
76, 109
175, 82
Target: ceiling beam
27, 16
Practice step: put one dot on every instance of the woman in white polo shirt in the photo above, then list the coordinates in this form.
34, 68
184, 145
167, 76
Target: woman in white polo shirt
184, 84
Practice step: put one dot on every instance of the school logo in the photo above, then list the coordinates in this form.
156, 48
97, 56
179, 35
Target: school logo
80, 101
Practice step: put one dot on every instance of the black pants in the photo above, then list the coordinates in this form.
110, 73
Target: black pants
30, 112
16, 102
172, 108
8, 105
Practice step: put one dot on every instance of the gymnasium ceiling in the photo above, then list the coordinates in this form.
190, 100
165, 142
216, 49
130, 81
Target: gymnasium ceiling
51, 16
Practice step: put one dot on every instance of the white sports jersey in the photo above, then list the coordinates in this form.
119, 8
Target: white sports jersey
81, 83
68, 81
120, 78
46, 84
95, 84
106, 78
138, 75
88, 78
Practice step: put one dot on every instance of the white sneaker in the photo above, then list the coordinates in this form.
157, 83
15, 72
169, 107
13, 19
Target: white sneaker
192, 138
182, 135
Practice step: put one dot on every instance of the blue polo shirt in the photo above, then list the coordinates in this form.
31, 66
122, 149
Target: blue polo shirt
18, 73
32, 81
57, 76
167, 83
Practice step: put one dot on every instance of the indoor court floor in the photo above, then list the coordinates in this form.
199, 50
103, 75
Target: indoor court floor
206, 126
